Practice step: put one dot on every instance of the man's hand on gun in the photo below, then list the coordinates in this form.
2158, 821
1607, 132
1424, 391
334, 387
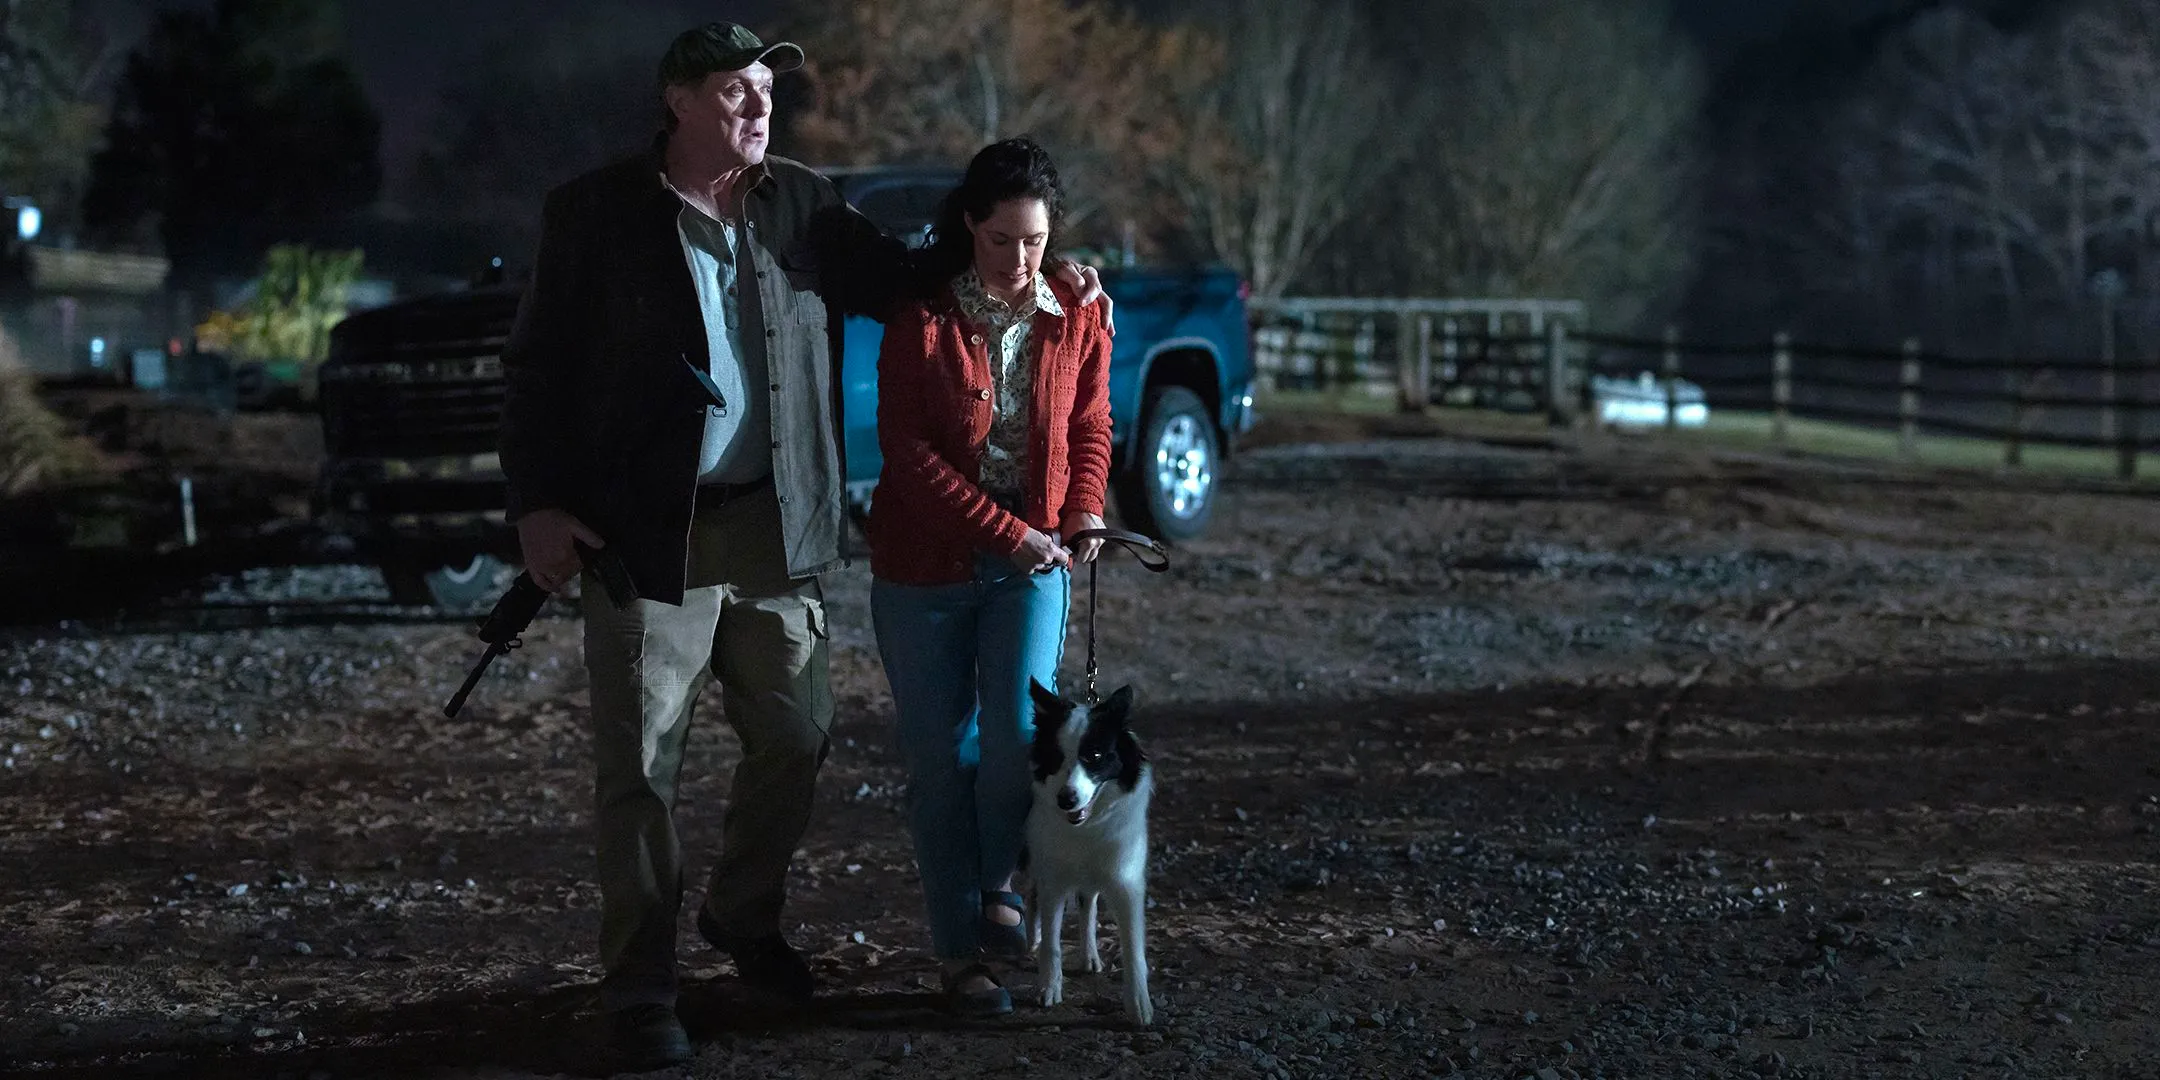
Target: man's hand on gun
549, 540
580, 548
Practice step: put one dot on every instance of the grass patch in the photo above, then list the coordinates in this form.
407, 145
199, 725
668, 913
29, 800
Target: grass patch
36, 447
1727, 429
1348, 400
1377, 415
1752, 431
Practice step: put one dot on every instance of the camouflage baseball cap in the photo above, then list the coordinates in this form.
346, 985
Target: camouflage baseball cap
722, 46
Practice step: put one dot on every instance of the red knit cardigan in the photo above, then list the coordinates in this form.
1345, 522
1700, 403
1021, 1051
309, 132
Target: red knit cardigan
929, 516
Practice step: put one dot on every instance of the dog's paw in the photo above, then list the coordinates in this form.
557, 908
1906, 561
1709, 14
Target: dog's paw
1053, 992
1092, 962
1140, 1009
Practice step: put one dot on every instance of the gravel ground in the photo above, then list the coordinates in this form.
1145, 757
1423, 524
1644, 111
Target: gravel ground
1596, 761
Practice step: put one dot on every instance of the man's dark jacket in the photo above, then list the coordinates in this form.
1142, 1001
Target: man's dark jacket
603, 415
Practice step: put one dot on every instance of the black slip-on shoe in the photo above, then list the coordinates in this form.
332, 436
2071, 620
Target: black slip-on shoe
981, 1004
1001, 939
767, 962
649, 1036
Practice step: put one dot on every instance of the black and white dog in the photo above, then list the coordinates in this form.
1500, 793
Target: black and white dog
1087, 837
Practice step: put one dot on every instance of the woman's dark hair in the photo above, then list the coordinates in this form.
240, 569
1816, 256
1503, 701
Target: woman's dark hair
1016, 168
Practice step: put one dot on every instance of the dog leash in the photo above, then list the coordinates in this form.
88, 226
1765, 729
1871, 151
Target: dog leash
1151, 553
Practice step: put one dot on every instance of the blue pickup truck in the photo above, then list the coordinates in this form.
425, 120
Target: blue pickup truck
411, 396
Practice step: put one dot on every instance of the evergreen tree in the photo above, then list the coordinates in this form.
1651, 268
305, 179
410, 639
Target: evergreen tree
235, 129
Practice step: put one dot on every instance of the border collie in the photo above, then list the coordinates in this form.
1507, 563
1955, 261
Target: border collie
1087, 837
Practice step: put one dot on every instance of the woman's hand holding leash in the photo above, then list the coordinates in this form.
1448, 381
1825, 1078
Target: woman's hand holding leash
1076, 523
1040, 553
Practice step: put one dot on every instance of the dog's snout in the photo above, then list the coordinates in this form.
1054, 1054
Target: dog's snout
1068, 799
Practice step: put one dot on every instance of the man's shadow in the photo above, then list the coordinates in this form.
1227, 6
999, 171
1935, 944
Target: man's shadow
555, 1031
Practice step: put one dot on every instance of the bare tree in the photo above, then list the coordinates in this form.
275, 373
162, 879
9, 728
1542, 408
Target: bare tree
932, 81
1561, 155
52, 65
2119, 42
1983, 169
2015, 152
1287, 140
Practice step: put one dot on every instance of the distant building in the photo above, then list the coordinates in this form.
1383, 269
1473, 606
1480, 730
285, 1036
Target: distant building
74, 311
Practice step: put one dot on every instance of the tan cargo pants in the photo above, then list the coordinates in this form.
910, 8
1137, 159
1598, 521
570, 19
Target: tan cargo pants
763, 636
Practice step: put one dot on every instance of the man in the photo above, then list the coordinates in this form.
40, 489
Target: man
673, 396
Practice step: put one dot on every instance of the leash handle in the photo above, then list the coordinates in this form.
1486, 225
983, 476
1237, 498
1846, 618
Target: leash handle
1151, 553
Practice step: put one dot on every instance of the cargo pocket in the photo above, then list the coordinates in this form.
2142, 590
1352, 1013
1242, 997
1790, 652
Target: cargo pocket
802, 620
816, 635
772, 643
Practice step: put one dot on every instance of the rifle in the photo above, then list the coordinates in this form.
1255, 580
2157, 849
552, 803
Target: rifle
503, 627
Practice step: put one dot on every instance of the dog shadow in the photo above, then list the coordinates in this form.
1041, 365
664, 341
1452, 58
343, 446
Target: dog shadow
862, 1000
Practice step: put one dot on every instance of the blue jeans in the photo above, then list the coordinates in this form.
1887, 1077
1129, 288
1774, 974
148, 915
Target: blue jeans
959, 658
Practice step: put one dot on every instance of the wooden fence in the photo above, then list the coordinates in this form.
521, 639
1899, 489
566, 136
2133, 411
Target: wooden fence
1511, 354
2075, 403
1453, 351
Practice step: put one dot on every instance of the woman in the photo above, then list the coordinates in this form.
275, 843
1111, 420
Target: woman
994, 418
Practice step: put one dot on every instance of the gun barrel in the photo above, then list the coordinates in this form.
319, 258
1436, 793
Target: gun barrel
457, 700
515, 610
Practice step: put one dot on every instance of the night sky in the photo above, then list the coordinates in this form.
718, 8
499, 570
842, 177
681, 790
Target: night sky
406, 49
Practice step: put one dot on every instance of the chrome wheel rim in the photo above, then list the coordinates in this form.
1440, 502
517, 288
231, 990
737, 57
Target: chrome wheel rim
1184, 467
468, 573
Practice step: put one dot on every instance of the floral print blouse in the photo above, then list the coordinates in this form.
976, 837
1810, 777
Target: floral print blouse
1012, 376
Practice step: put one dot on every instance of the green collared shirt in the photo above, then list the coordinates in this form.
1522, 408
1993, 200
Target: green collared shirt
737, 445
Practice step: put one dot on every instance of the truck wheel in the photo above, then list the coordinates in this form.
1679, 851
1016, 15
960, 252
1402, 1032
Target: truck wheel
470, 586
1167, 489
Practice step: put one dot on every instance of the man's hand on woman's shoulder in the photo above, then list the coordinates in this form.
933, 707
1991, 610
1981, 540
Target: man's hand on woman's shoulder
1086, 282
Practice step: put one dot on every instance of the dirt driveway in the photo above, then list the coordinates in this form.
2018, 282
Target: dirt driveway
1594, 760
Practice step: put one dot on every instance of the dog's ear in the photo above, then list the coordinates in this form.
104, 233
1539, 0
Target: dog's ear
1051, 713
1045, 701
1118, 706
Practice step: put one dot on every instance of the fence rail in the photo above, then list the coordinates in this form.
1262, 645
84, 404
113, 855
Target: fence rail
1917, 391
1530, 355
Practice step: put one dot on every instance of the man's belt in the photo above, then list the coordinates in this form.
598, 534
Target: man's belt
713, 496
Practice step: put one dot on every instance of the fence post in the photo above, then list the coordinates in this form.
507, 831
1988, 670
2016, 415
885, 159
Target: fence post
1908, 408
2020, 415
1451, 356
1780, 388
1356, 366
1413, 375
1424, 359
2127, 403
1557, 411
1669, 369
